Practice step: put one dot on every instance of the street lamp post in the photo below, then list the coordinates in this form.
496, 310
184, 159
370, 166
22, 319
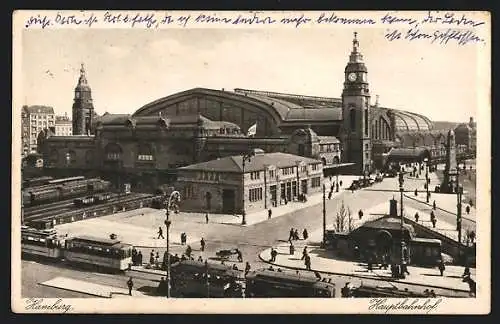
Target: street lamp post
401, 189
177, 196
426, 160
245, 158
459, 190
324, 215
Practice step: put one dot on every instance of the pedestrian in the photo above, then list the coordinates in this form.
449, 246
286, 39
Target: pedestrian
183, 257
432, 293
404, 268
337, 187
345, 291
161, 286
182, 238
157, 258
416, 217
466, 272
308, 262
206, 218
330, 195
292, 249
274, 253
296, 234
305, 234
441, 267
200, 259
416, 192
130, 285
152, 257
290, 237
185, 238
304, 253
247, 268
434, 205
134, 256
269, 213
467, 209
360, 214
202, 244
139, 258
239, 255
160, 233
340, 183
470, 202
188, 251
433, 220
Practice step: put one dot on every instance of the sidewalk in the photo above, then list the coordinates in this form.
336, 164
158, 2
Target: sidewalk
445, 202
90, 288
322, 261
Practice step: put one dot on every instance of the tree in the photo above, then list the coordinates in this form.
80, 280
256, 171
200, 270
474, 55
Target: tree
343, 219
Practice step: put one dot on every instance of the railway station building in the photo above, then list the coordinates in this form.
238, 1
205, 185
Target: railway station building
350, 134
267, 180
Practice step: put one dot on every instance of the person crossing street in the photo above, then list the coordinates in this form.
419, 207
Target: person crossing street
160, 233
202, 244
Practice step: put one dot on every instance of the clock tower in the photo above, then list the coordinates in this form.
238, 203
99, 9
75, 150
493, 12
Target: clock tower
355, 112
83, 108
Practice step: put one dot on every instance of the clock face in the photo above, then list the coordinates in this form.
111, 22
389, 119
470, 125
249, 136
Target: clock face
352, 77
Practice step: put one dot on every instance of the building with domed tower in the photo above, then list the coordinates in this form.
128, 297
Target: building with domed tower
348, 134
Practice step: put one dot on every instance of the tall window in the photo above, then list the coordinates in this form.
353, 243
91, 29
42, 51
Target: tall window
315, 182
366, 122
352, 119
255, 194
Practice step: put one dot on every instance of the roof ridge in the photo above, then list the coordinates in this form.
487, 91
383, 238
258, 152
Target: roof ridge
233, 159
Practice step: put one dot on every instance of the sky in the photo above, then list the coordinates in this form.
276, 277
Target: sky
128, 68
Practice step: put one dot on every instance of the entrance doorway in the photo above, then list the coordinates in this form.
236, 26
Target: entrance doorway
274, 197
303, 186
228, 201
289, 191
208, 199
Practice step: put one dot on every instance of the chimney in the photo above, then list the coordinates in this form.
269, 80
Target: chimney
376, 100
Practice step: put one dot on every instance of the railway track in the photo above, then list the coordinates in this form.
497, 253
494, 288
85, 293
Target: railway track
60, 212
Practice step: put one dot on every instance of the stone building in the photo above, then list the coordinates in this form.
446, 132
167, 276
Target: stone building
200, 124
267, 180
34, 119
63, 126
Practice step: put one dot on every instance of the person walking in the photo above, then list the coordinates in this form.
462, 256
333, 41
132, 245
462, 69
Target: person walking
416, 217
345, 291
305, 234
152, 257
239, 255
247, 268
206, 218
290, 237
304, 253
160, 233
188, 251
269, 213
139, 258
307, 261
296, 235
274, 253
441, 268
434, 205
292, 249
130, 285
360, 214
202, 244
467, 209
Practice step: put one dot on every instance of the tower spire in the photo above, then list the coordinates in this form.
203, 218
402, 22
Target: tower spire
355, 43
356, 56
83, 78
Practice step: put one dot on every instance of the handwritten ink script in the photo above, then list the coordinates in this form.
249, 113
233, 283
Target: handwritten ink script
411, 305
435, 27
40, 304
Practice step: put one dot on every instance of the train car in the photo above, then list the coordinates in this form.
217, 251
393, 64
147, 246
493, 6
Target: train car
39, 181
102, 253
85, 201
26, 199
41, 243
287, 283
44, 196
73, 190
65, 180
41, 224
102, 198
199, 279
425, 252
366, 291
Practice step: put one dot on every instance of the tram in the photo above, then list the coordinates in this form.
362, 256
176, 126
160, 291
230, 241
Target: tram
287, 283
102, 253
199, 279
41, 242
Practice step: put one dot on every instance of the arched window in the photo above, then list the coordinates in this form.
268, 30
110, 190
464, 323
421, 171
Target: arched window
113, 152
145, 152
352, 119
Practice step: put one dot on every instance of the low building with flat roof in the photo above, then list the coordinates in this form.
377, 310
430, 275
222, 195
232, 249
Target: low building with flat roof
267, 180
